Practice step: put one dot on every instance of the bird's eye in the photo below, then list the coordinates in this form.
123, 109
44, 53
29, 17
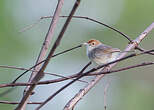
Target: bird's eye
93, 43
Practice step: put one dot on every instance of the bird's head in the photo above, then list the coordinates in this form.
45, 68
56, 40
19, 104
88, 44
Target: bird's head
92, 43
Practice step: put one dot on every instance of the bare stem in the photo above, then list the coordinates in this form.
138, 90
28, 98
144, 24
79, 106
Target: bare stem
9, 102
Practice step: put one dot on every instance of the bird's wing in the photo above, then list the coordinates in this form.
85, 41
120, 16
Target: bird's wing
104, 49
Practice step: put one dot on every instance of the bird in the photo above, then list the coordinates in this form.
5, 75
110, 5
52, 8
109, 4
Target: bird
101, 53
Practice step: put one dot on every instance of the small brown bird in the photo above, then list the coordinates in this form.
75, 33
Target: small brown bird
101, 53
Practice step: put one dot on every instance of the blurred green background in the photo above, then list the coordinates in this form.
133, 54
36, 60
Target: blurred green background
132, 89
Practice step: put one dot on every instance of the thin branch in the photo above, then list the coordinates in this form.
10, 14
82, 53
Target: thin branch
143, 50
96, 21
53, 74
124, 68
9, 102
48, 38
67, 50
84, 91
42, 55
85, 67
81, 17
55, 55
30, 26
27, 71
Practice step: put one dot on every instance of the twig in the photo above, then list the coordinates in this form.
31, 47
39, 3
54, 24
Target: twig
81, 17
143, 50
67, 50
35, 77
82, 92
55, 55
27, 71
124, 68
53, 74
85, 67
96, 21
48, 38
9, 102
30, 26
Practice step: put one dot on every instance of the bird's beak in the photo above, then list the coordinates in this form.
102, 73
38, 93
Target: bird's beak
85, 44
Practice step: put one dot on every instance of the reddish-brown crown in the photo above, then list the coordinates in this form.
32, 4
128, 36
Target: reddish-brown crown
96, 42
